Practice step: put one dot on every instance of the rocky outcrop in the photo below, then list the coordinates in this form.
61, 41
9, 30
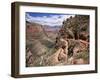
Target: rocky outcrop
76, 27
75, 31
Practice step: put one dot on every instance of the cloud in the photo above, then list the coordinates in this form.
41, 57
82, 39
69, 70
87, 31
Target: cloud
51, 20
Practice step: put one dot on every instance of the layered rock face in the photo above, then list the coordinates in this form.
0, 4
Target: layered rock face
37, 44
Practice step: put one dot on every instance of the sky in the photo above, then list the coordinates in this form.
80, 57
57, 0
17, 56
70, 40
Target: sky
50, 19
